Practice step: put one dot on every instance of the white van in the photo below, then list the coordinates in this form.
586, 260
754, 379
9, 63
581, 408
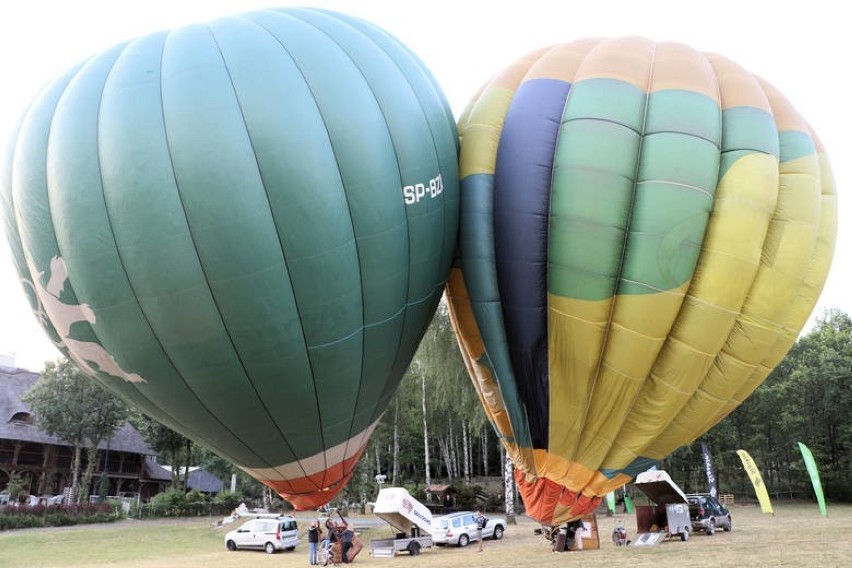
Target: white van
270, 535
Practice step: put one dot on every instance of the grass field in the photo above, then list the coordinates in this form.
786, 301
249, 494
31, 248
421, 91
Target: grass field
795, 536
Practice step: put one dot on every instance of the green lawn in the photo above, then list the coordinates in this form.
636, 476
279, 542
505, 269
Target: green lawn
795, 536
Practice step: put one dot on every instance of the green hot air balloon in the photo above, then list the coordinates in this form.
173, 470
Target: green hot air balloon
645, 228
243, 228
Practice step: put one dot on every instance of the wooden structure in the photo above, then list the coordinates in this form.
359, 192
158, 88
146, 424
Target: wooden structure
589, 537
440, 499
43, 462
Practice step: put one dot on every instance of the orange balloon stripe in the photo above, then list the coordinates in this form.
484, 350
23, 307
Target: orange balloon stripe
302, 492
552, 503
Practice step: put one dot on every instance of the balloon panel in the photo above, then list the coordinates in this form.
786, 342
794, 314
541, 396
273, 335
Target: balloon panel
244, 228
645, 229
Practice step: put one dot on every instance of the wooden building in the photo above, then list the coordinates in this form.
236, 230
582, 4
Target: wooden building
44, 462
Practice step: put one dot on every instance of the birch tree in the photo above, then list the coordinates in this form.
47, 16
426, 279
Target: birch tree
509, 488
395, 470
425, 434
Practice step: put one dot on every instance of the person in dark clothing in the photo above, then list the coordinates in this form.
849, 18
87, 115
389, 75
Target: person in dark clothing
314, 537
346, 542
448, 503
341, 534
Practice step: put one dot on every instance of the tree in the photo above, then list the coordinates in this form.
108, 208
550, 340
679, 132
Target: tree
806, 398
225, 470
425, 435
395, 468
76, 409
174, 447
451, 409
509, 489
821, 401
16, 488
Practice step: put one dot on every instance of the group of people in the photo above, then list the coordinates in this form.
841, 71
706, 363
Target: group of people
339, 538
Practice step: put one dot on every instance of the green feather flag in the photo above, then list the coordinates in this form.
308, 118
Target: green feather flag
810, 463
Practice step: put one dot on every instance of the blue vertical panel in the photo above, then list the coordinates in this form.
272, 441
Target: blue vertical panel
522, 179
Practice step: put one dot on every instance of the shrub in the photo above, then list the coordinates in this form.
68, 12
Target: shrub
196, 496
170, 503
174, 503
417, 491
57, 515
466, 497
228, 501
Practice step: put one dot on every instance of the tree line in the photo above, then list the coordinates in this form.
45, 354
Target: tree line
434, 430
806, 399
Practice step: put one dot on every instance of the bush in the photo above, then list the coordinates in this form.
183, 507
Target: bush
837, 487
170, 503
227, 501
466, 497
417, 491
174, 503
57, 515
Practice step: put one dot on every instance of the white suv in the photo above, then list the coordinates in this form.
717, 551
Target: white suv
269, 534
460, 528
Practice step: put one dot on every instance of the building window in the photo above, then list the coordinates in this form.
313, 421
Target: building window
21, 418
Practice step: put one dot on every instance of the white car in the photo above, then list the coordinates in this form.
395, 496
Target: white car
268, 534
460, 529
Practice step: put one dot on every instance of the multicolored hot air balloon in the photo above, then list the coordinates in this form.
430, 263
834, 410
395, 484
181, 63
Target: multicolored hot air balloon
644, 231
244, 228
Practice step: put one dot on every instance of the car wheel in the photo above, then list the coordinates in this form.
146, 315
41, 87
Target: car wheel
232, 546
711, 527
463, 540
684, 536
414, 548
269, 548
730, 526
498, 533
290, 548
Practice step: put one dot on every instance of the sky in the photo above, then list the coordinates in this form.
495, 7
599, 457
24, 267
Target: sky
797, 46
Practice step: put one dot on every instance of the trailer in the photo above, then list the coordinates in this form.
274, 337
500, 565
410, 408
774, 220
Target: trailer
669, 517
410, 518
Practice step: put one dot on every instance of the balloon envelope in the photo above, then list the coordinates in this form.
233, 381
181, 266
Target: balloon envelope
644, 231
244, 228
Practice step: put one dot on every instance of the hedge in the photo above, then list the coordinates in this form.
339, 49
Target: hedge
21, 517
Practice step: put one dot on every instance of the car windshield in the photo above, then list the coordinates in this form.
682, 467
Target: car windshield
440, 523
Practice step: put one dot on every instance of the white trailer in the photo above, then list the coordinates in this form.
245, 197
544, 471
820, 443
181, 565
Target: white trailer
669, 517
410, 518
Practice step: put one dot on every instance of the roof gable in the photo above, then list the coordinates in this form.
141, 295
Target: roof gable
199, 478
14, 383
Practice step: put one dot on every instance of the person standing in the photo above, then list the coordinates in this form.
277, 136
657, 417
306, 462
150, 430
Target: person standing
314, 537
480, 520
